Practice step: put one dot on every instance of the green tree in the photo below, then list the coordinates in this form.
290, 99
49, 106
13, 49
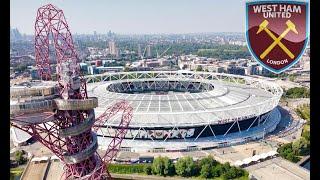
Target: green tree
21, 67
208, 160
217, 171
126, 69
290, 151
242, 172
226, 166
19, 157
292, 77
205, 171
157, 166
301, 147
285, 148
291, 157
199, 68
231, 173
168, 167
162, 166
186, 167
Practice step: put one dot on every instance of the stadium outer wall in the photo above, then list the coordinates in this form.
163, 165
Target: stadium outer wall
248, 122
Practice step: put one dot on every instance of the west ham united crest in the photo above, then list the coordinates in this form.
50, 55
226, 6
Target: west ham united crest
277, 32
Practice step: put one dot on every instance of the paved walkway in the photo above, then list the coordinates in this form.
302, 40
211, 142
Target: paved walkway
240, 152
278, 169
55, 170
49, 170
35, 171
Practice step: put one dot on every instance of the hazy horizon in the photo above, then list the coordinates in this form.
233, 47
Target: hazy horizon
139, 34
137, 17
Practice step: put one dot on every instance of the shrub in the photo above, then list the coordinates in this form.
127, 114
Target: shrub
127, 168
306, 134
147, 170
304, 112
297, 92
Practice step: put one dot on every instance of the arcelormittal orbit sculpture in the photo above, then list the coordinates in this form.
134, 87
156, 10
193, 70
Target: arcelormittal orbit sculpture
59, 114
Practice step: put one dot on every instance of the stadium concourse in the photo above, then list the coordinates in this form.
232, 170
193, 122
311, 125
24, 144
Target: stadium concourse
183, 110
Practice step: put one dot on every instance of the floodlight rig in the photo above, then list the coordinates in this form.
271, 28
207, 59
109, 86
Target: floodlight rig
62, 117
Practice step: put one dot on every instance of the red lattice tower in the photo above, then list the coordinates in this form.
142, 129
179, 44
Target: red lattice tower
65, 125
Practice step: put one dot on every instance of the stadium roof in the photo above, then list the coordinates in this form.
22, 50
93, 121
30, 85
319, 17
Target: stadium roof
228, 100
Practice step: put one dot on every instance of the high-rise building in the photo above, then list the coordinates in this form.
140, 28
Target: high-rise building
252, 69
112, 48
95, 35
235, 70
15, 34
263, 71
109, 34
139, 50
148, 51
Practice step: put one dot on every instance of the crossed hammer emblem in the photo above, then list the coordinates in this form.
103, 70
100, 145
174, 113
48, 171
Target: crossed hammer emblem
277, 41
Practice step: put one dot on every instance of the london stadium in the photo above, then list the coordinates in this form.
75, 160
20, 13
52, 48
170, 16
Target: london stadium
178, 110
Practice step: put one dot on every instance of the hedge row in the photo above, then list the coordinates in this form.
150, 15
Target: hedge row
127, 168
185, 167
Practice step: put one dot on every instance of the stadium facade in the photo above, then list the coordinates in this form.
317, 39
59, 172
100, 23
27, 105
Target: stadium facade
179, 110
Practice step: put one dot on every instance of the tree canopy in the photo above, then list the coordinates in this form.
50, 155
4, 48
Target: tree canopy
297, 92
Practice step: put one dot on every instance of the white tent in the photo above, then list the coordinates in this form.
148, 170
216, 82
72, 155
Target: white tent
238, 163
264, 155
54, 157
272, 153
256, 157
38, 159
247, 161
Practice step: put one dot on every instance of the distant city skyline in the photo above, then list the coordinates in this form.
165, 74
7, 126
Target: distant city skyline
137, 17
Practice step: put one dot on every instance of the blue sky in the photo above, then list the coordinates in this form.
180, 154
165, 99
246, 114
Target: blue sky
137, 16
